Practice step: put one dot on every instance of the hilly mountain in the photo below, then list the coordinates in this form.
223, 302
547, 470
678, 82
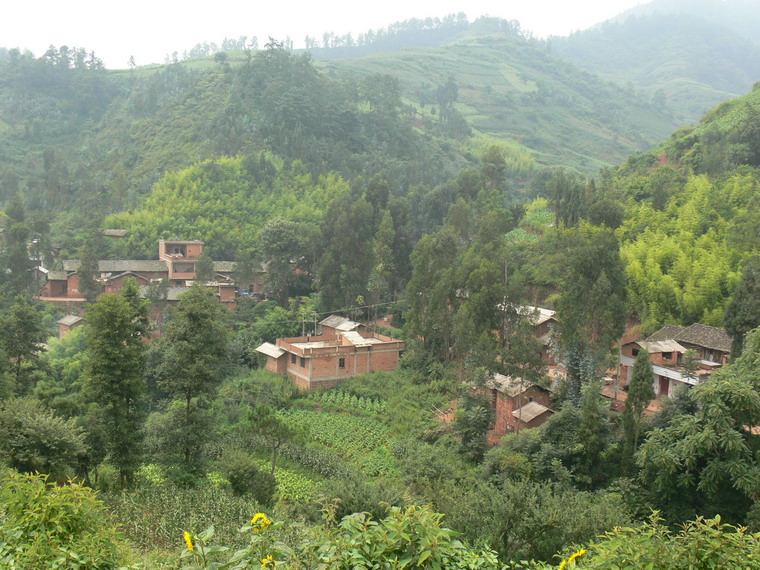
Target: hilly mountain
740, 16
79, 142
685, 56
512, 88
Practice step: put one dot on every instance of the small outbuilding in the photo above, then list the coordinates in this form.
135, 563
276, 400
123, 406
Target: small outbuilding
68, 324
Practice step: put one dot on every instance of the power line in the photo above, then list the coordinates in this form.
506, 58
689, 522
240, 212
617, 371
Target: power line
314, 313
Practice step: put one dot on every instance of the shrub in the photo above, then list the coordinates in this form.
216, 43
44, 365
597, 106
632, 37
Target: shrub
34, 439
48, 526
702, 543
245, 477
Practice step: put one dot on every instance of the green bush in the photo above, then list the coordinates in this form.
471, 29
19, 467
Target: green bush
34, 439
48, 526
702, 543
245, 477
406, 538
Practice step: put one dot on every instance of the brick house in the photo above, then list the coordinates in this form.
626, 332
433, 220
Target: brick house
176, 263
667, 347
68, 324
335, 324
324, 361
542, 321
518, 404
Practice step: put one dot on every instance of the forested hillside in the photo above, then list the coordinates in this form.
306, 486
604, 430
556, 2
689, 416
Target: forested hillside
692, 216
80, 141
510, 87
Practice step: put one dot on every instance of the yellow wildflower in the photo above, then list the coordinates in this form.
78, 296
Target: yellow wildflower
268, 562
570, 560
189, 541
260, 522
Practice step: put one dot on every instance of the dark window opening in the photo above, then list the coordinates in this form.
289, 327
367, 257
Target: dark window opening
292, 358
635, 352
303, 362
341, 363
667, 355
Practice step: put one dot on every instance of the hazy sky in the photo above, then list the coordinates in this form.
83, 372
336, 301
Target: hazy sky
149, 30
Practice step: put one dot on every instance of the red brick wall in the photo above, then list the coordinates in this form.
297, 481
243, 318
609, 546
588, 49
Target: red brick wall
627, 349
55, 289
73, 286
324, 371
277, 365
117, 284
226, 294
659, 359
194, 250
505, 405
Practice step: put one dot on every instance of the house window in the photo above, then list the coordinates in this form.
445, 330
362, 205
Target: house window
292, 358
635, 352
341, 363
303, 362
667, 355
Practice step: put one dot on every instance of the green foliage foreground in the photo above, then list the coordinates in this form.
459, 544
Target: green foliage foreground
49, 526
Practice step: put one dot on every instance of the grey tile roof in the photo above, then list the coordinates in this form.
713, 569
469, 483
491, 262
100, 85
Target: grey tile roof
224, 266
668, 332
530, 411
339, 323
661, 346
70, 320
120, 265
697, 334
703, 335
270, 350
508, 385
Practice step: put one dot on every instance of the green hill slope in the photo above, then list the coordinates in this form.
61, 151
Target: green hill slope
514, 89
79, 142
693, 216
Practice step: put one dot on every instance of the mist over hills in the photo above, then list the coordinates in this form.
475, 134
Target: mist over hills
686, 56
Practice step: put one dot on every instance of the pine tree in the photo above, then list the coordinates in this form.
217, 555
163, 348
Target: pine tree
194, 350
22, 334
640, 393
204, 269
114, 333
88, 273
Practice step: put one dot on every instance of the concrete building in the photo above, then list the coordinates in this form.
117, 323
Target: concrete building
323, 361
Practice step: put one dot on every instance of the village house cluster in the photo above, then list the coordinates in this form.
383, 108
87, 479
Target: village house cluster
341, 348
176, 266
